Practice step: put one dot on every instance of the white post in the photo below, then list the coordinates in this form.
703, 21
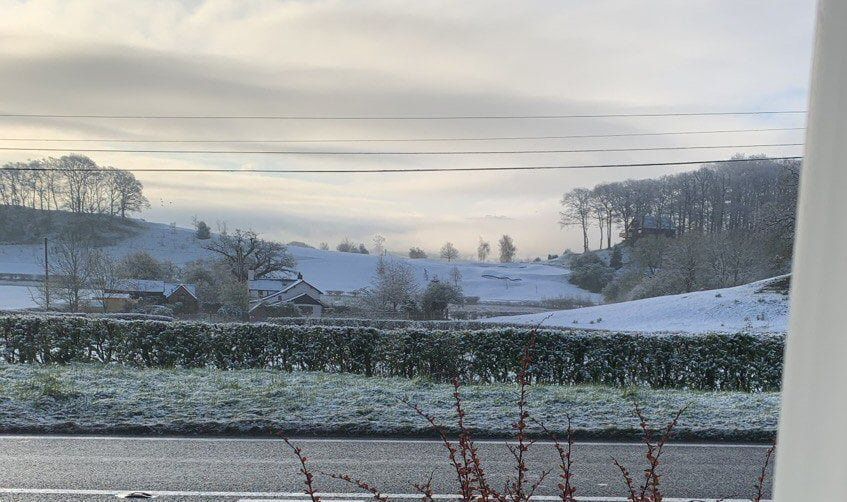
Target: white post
811, 461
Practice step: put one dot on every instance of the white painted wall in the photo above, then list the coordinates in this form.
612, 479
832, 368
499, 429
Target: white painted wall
812, 451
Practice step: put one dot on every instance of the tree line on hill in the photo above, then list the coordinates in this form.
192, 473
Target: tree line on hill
74, 183
507, 250
753, 196
727, 224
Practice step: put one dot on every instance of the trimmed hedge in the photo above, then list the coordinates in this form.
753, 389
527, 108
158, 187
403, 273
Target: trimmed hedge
357, 322
707, 362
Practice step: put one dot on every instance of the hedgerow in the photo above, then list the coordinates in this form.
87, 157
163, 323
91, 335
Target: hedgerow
380, 323
707, 362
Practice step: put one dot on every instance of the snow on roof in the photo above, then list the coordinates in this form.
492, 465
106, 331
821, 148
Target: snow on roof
139, 285
152, 286
112, 296
269, 299
269, 284
171, 288
657, 222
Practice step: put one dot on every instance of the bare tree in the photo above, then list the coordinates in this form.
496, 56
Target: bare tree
483, 250
684, 261
72, 182
577, 207
649, 252
78, 175
449, 251
507, 249
730, 260
456, 277
244, 251
604, 207
128, 193
393, 286
71, 264
104, 277
379, 245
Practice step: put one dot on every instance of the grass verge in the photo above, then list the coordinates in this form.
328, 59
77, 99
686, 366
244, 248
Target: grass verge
98, 399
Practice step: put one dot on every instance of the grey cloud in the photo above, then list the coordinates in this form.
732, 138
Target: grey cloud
333, 58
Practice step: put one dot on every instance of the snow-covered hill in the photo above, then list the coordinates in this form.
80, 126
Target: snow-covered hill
335, 271
752, 307
16, 297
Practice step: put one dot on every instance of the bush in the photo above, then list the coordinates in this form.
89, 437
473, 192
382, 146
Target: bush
708, 362
437, 297
416, 253
282, 310
589, 272
202, 230
566, 303
619, 288
616, 259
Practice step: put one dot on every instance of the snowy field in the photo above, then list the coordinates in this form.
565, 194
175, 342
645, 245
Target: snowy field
742, 308
13, 297
100, 399
334, 271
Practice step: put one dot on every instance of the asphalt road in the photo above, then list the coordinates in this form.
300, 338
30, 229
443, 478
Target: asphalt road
53, 468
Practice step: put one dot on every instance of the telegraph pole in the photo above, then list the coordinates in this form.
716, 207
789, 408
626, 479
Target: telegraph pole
46, 278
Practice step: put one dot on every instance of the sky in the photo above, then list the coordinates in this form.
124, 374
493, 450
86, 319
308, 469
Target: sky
398, 58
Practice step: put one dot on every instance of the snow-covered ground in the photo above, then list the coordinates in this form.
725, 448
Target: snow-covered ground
741, 308
103, 399
334, 271
13, 297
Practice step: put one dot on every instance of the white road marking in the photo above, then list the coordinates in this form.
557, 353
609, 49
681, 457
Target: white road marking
298, 496
359, 440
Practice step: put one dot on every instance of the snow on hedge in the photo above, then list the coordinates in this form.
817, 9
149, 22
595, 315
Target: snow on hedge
717, 361
116, 399
729, 310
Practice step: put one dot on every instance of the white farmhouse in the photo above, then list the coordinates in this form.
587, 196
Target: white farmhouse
269, 294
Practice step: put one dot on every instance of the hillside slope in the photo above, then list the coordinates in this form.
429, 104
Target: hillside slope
335, 271
756, 307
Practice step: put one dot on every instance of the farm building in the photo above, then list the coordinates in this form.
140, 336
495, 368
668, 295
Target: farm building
158, 292
269, 297
650, 225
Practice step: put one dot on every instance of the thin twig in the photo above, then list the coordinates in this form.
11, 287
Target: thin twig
425, 489
760, 482
361, 484
452, 452
304, 470
566, 488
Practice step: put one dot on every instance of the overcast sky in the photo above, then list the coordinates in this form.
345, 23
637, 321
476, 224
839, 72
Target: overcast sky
399, 58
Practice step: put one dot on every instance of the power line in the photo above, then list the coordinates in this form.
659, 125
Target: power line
420, 169
397, 117
398, 140
455, 152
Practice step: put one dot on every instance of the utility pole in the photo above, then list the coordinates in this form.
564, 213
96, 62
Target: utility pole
811, 458
46, 278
